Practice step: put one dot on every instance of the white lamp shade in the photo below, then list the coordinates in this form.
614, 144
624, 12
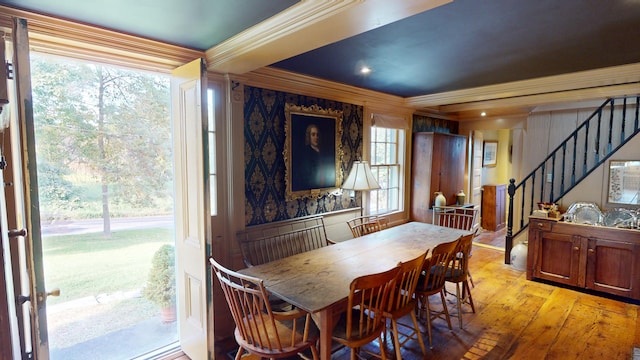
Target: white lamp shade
360, 178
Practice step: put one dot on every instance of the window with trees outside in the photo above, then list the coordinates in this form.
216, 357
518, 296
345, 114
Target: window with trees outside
387, 163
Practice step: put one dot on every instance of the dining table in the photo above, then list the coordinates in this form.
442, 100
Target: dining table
318, 281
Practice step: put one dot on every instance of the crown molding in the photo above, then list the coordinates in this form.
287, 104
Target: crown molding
57, 36
277, 79
579, 85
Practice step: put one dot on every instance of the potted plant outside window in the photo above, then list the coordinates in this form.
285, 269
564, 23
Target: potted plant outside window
161, 283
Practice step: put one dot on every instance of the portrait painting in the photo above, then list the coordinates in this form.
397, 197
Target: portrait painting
312, 151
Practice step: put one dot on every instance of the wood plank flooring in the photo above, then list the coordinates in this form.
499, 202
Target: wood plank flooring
520, 319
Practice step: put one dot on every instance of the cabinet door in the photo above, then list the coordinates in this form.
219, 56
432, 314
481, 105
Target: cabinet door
558, 259
612, 267
421, 188
501, 203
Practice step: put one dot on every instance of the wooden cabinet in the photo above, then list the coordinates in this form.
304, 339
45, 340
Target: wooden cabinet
437, 165
592, 257
494, 202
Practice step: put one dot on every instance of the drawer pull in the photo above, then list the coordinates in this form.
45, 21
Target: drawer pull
591, 251
576, 248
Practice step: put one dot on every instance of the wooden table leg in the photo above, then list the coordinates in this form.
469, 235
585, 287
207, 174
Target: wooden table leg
326, 323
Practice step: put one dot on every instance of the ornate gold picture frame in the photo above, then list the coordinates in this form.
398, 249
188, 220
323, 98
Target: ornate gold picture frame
313, 151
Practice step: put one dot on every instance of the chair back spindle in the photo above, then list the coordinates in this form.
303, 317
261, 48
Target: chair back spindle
363, 225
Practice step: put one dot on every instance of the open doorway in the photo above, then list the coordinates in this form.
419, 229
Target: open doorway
105, 180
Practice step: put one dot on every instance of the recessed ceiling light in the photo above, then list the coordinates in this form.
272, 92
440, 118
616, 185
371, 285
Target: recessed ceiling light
483, 114
365, 70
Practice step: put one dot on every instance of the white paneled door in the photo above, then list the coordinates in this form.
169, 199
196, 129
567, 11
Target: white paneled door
189, 118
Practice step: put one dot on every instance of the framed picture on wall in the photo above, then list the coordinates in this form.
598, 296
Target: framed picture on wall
490, 153
313, 151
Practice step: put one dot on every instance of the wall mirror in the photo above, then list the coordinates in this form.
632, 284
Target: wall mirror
624, 182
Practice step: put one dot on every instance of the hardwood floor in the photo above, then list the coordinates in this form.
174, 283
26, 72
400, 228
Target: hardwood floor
520, 319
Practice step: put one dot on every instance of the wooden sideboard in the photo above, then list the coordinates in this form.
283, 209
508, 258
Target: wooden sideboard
597, 258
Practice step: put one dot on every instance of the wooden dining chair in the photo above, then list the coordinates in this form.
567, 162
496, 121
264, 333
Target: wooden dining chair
363, 225
402, 303
259, 330
364, 319
457, 273
384, 222
431, 282
458, 218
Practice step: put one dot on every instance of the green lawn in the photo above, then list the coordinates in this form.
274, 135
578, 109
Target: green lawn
91, 265
103, 278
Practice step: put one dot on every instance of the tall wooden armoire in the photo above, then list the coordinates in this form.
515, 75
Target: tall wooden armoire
438, 165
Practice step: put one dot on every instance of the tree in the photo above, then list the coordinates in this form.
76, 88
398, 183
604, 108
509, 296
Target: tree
108, 123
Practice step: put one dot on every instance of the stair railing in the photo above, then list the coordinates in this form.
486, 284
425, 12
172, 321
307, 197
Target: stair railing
607, 129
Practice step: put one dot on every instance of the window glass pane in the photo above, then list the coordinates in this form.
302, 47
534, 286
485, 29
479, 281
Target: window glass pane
210, 107
213, 188
394, 199
393, 177
393, 152
212, 153
388, 158
389, 134
386, 167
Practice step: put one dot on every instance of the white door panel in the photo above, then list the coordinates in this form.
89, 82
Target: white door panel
192, 209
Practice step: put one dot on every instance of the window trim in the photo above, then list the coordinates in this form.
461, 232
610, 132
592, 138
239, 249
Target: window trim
400, 142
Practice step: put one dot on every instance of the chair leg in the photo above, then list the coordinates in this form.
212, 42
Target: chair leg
422, 307
383, 353
239, 353
463, 296
415, 334
418, 335
470, 278
468, 296
432, 315
446, 311
459, 300
396, 337
428, 311
314, 353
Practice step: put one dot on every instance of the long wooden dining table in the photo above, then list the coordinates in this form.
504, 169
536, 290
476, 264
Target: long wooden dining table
318, 281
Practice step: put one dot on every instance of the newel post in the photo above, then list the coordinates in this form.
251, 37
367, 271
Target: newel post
508, 240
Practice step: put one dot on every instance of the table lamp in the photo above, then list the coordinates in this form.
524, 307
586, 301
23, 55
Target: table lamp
360, 179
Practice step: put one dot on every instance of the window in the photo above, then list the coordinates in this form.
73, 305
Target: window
387, 163
213, 177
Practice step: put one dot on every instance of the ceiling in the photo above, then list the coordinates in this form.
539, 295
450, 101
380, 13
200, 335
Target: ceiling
416, 49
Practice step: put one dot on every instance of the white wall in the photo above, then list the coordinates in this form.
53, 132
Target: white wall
594, 188
501, 130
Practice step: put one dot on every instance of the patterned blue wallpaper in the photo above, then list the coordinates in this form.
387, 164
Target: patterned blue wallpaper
429, 124
264, 133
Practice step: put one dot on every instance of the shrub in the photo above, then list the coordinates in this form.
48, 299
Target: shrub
161, 284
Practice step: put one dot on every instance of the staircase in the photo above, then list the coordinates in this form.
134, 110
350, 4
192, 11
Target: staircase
607, 129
